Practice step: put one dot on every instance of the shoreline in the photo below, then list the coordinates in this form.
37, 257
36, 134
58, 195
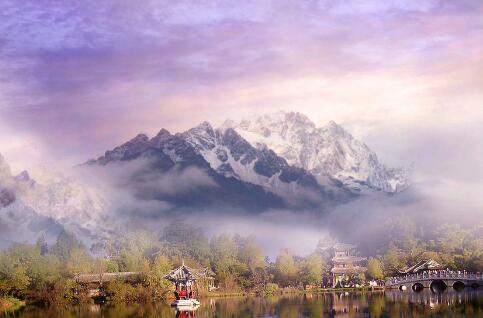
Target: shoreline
9, 305
288, 291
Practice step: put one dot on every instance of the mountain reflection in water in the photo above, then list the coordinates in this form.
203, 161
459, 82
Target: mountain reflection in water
466, 303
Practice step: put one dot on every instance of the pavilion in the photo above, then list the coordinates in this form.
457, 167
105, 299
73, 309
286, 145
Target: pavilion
186, 280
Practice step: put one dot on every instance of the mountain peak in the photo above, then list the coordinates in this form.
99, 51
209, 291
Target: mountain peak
332, 124
335, 128
202, 135
326, 151
204, 125
204, 128
138, 138
160, 137
298, 118
163, 133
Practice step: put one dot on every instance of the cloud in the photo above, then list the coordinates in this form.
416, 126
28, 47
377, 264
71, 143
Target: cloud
357, 7
404, 76
141, 174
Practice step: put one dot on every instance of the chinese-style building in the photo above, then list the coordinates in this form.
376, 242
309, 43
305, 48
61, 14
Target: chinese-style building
424, 265
186, 281
346, 264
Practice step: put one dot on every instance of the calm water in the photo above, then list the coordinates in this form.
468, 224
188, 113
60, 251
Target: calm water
467, 303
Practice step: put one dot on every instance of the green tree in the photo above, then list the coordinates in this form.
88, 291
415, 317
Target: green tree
250, 253
78, 261
155, 277
185, 241
112, 266
66, 242
391, 261
312, 270
223, 250
13, 274
374, 268
286, 268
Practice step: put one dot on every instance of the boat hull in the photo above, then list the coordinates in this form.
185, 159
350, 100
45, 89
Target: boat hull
181, 303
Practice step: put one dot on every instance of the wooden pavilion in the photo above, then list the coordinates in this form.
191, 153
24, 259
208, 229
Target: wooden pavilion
186, 282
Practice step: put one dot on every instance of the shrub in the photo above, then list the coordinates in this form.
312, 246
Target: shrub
119, 292
270, 289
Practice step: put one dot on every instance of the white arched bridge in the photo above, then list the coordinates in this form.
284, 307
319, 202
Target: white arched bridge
436, 281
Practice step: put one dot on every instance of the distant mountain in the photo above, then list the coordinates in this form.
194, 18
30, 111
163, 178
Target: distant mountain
231, 155
272, 162
18, 221
326, 152
168, 157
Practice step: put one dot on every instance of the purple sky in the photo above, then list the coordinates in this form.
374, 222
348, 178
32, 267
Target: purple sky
79, 77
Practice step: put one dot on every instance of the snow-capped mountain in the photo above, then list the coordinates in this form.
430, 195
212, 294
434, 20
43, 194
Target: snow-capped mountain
77, 205
327, 151
30, 208
231, 155
278, 161
167, 168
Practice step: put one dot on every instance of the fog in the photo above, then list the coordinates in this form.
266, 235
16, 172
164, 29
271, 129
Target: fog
370, 220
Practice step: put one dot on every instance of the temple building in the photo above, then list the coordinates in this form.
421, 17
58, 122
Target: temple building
187, 282
346, 265
424, 265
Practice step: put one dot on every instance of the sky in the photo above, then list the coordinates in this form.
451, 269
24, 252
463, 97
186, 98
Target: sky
80, 77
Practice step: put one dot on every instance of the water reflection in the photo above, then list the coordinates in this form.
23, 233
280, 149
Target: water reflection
467, 303
186, 313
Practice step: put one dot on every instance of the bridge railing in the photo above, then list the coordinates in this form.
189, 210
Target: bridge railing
433, 275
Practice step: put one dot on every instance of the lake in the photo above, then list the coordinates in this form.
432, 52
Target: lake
466, 303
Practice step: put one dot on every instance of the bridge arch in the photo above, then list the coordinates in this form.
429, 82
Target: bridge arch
403, 287
417, 287
437, 285
475, 285
458, 285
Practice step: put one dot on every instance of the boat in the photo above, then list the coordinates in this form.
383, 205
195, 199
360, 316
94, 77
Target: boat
191, 303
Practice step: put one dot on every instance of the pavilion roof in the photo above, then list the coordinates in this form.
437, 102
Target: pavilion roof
184, 273
347, 259
425, 264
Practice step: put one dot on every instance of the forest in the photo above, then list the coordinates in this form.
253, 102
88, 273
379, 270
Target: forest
44, 273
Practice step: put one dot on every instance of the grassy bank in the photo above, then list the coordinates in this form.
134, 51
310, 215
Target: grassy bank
10, 305
286, 291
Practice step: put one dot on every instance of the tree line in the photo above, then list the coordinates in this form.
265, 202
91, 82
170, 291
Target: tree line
44, 273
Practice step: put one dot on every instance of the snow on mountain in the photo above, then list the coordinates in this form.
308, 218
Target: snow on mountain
168, 162
20, 223
77, 205
56, 201
275, 161
231, 155
327, 151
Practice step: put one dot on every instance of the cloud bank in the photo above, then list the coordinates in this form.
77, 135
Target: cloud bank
404, 76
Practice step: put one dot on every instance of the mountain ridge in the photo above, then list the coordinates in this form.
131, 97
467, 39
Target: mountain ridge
274, 163
328, 151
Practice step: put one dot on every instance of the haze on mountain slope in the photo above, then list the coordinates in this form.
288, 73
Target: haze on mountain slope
276, 169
